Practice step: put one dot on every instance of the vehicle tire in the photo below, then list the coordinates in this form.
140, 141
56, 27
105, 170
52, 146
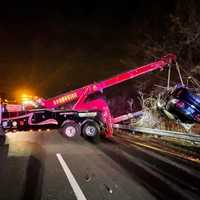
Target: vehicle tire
71, 129
91, 129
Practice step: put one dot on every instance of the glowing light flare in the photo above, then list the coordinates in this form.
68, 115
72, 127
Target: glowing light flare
24, 94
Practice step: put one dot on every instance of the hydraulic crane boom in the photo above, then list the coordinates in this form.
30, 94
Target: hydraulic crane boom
78, 94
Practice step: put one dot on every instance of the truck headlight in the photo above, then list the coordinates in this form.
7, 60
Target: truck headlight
4, 124
14, 124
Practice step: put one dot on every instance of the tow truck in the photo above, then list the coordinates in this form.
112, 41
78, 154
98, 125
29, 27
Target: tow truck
89, 117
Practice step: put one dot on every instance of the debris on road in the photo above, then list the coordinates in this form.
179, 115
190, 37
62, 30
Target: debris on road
88, 178
108, 189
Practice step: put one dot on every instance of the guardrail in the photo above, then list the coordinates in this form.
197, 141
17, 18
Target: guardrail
174, 134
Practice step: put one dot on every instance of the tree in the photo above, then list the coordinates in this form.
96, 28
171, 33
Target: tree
182, 35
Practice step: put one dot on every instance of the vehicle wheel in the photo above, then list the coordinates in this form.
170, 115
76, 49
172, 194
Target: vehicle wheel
91, 129
71, 129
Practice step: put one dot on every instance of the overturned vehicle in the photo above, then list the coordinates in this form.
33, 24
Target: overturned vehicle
180, 104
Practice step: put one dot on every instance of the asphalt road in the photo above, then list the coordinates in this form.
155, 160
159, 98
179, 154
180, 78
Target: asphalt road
44, 165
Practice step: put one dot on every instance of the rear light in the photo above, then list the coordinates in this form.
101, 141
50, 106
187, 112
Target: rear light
180, 104
197, 117
21, 123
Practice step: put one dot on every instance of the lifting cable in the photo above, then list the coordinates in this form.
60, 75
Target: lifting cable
179, 73
169, 77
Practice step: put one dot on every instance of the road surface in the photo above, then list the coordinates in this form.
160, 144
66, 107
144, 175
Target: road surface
44, 165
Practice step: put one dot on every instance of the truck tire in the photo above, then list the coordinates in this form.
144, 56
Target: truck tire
91, 129
71, 129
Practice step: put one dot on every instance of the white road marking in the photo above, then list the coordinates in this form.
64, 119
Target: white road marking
76, 188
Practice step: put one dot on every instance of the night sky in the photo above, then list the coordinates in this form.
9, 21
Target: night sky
49, 48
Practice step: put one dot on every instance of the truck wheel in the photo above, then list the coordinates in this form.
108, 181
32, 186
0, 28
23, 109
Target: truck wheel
71, 129
91, 129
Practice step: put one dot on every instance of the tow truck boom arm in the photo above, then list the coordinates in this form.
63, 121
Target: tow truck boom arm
95, 87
